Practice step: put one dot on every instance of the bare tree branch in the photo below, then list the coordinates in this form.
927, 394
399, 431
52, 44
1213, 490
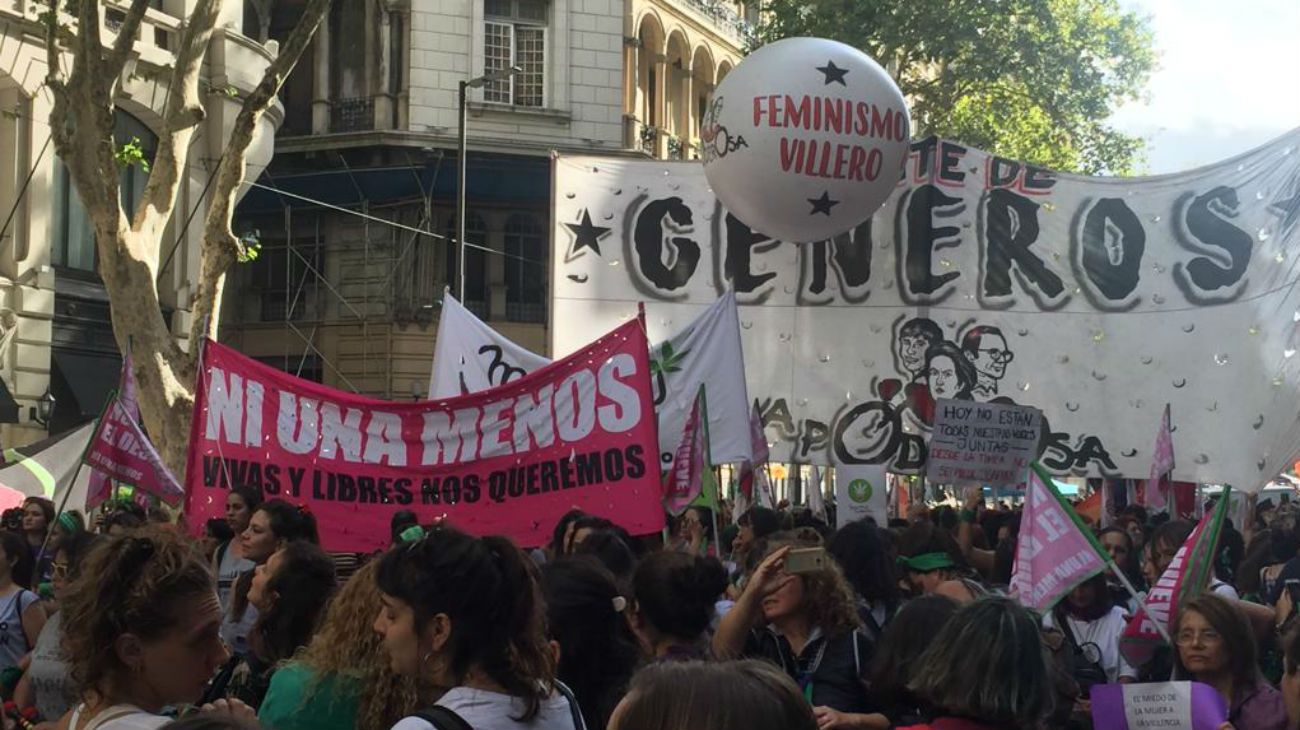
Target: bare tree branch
221, 247
184, 112
126, 36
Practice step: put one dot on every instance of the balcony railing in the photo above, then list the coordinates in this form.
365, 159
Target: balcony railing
726, 19
352, 115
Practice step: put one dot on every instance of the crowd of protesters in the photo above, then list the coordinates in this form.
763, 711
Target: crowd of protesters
128, 623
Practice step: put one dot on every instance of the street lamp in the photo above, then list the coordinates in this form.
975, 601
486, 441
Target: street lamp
501, 75
44, 409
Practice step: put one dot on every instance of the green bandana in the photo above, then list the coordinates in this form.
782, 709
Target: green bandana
927, 562
412, 534
68, 522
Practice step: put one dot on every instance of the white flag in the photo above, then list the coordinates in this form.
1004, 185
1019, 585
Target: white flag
470, 356
707, 352
816, 499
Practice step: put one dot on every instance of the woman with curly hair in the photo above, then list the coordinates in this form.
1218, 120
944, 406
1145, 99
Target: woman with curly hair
343, 679
290, 592
140, 630
807, 624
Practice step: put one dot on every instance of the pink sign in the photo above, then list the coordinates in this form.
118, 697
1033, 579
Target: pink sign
579, 432
120, 450
1162, 463
682, 483
1052, 555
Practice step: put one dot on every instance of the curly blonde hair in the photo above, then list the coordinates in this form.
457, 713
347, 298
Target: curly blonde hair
827, 596
347, 646
139, 584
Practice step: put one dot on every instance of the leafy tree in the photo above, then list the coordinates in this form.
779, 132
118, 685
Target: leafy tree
1028, 79
129, 246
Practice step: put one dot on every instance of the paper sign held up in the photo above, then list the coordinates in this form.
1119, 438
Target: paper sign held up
982, 443
1157, 706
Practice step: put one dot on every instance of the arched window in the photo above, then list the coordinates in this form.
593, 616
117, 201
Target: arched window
72, 235
525, 245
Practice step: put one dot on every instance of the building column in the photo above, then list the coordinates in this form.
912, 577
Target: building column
383, 94
686, 119
660, 116
631, 95
320, 105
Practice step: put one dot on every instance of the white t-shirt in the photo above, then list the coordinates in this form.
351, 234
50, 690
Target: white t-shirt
485, 710
1223, 590
1105, 633
118, 717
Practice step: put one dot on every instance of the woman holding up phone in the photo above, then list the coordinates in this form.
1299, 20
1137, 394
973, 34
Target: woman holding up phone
798, 612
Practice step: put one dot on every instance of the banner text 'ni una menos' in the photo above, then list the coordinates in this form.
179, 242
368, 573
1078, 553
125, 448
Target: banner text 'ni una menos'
578, 433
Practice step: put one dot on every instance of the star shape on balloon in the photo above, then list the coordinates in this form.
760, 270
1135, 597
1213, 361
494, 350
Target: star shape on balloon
834, 74
823, 204
585, 234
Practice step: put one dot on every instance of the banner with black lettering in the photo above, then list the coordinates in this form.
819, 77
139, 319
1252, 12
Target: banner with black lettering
577, 433
1096, 300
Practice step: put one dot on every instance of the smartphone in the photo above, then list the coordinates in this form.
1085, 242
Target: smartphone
806, 560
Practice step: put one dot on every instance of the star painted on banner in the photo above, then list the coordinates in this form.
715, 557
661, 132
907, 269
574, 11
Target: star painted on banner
834, 74
585, 234
1288, 209
822, 205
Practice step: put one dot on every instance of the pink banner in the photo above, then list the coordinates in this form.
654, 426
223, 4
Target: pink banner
120, 450
579, 432
682, 483
1053, 555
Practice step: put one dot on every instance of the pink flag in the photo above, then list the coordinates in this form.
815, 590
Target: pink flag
126, 392
1053, 554
100, 487
121, 451
684, 480
1162, 463
1186, 577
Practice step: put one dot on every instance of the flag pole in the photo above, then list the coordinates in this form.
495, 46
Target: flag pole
63, 504
1123, 579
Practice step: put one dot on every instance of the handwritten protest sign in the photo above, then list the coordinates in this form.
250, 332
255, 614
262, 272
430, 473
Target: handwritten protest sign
982, 443
579, 432
1157, 706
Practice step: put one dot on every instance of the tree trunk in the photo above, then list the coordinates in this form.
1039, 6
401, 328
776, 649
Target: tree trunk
81, 122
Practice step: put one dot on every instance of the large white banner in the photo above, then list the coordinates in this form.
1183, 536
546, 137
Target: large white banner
1096, 300
469, 357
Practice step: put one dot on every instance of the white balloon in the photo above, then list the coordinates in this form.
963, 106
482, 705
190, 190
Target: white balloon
805, 139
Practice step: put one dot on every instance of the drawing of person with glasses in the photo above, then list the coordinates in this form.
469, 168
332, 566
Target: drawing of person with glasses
986, 349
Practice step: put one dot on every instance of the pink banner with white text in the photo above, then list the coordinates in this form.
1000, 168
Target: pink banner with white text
120, 450
579, 432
